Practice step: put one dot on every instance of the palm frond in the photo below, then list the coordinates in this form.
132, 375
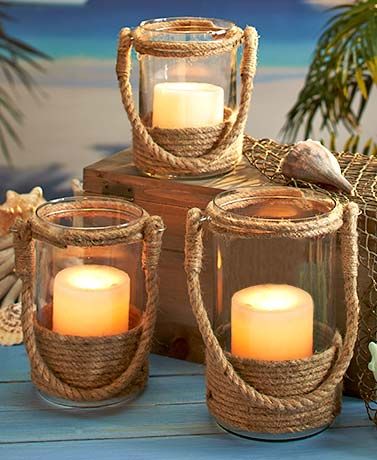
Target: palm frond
352, 145
341, 76
18, 62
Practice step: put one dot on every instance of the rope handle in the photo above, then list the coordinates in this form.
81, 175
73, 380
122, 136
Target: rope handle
235, 129
25, 266
193, 266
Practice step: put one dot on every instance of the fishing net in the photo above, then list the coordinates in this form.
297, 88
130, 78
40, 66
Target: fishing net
361, 171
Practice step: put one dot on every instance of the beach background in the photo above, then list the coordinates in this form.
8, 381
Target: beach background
77, 117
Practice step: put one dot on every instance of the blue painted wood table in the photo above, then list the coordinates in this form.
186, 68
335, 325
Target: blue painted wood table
169, 421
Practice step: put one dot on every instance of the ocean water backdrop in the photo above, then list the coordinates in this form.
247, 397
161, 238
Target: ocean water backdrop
288, 28
77, 116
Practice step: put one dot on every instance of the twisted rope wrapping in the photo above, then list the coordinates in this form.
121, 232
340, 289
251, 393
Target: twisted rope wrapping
217, 148
226, 377
280, 379
228, 223
148, 230
361, 171
226, 42
89, 362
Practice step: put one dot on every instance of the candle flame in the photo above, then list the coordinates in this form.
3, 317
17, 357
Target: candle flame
219, 260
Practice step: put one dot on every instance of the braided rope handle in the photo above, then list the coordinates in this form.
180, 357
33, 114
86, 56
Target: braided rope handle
248, 69
145, 43
25, 255
193, 266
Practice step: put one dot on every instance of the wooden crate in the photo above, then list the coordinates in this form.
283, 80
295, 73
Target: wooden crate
176, 334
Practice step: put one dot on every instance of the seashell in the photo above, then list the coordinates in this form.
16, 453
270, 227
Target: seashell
18, 205
10, 324
6, 241
7, 267
6, 284
312, 162
77, 187
13, 294
5, 254
372, 366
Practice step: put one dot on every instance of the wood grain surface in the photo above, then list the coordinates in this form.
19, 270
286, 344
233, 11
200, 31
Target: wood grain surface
168, 421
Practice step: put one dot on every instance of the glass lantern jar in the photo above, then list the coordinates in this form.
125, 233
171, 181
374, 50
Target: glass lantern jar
89, 292
273, 341
186, 92
282, 272
111, 271
189, 123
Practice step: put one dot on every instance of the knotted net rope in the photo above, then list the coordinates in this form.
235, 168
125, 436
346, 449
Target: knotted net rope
361, 171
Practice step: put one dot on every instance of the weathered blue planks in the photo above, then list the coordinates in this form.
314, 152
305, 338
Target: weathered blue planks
151, 415
130, 422
330, 445
14, 366
22, 396
169, 421
174, 390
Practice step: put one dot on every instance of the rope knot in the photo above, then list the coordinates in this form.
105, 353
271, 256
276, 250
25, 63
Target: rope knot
22, 230
22, 237
194, 243
153, 231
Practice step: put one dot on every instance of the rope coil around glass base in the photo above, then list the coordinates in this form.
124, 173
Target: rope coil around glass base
360, 170
267, 396
87, 369
188, 151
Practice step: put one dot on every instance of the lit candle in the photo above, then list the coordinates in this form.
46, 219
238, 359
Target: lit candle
272, 322
91, 300
187, 105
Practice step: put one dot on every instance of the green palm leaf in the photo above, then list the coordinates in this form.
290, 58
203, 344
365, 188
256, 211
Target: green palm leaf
341, 76
18, 61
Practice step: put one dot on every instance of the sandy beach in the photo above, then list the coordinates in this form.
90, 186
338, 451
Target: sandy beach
79, 118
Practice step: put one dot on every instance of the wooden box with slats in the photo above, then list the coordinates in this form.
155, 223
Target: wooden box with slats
176, 333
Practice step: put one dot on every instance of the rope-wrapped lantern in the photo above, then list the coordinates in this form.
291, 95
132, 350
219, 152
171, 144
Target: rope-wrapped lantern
361, 172
275, 360
84, 262
188, 123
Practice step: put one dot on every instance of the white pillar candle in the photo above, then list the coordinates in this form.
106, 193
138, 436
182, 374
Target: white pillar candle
272, 322
91, 300
187, 105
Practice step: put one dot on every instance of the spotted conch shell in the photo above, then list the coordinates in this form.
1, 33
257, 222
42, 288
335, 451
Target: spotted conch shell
372, 366
310, 161
10, 324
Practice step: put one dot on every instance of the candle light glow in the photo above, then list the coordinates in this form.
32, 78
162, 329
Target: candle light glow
91, 300
187, 105
272, 322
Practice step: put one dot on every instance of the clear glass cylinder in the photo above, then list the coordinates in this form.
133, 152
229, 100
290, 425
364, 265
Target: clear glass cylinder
89, 291
275, 295
186, 92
